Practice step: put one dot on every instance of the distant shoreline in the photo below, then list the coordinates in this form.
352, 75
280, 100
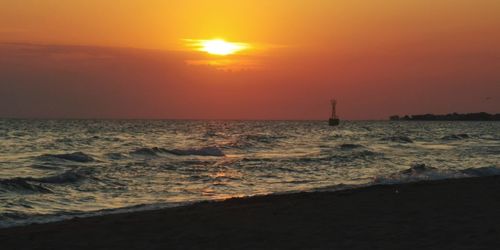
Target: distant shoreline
481, 116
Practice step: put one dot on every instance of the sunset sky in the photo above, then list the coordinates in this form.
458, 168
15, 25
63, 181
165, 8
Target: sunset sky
138, 59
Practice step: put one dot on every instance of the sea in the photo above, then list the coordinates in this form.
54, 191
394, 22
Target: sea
53, 170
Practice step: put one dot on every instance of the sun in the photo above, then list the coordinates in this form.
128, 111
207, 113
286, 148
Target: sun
221, 47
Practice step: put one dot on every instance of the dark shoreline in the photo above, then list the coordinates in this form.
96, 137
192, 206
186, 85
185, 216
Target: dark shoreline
481, 116
445, 214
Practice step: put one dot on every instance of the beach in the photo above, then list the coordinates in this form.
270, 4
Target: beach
444, 214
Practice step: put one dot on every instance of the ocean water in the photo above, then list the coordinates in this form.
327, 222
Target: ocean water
57, 169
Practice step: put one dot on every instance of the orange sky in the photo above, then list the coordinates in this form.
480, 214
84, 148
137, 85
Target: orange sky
377, 57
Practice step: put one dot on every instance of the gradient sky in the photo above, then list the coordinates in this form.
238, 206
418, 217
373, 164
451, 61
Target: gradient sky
129, 59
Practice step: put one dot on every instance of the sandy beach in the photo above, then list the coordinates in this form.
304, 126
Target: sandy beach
449, 214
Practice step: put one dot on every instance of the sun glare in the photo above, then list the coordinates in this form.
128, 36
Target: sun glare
220, 47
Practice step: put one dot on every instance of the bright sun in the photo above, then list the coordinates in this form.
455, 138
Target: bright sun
221, 47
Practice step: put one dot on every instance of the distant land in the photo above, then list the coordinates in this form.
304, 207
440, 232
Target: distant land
481, 116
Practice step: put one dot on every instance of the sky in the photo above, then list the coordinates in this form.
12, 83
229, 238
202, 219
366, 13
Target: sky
131, 59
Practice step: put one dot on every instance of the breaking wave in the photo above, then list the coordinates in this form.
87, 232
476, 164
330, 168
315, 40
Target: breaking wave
483, 171
41, 184
423, 172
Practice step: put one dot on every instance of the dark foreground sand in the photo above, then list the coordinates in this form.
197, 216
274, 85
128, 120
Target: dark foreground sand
453, 214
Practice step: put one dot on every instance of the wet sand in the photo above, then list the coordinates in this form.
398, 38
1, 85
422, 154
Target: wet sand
450, 214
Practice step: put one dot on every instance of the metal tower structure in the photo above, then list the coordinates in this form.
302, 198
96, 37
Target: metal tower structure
334, 108
334, 120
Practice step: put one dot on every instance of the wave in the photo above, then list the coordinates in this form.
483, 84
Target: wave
237, 144
348, 146
70, 176
20, 184
156, 151
262, 138
252, 140
76, 157
13, 215
12, 219
355, 156
40, 184
399, 138
210, 134
426, 172
206, 151
423, 172
453, 137
483, 171
326, 157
